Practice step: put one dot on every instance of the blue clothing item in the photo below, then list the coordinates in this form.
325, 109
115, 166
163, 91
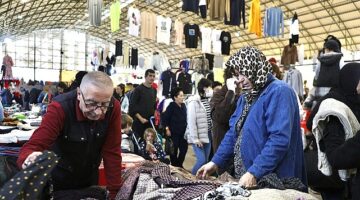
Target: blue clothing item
273, 21
1, 112
175, 118
271, 138
202, 156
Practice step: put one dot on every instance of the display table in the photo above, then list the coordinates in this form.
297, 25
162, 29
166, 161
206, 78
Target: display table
128, 160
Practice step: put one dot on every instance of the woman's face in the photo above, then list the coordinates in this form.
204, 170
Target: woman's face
118, 90
149, 137
179, 98
244, 83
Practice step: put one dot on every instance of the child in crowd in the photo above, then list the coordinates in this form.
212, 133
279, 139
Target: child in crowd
127, 144
151, 149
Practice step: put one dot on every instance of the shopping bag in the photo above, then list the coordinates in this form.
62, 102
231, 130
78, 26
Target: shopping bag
169, 146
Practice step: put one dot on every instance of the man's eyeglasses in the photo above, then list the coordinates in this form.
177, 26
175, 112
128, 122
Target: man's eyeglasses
93, 105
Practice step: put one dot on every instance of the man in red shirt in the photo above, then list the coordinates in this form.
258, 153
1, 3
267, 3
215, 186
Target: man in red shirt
81, 127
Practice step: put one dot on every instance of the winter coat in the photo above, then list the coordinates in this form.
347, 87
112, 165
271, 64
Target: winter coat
197, 121
329, 70
271, 135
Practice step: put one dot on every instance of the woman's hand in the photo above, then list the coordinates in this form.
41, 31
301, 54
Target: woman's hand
206, 170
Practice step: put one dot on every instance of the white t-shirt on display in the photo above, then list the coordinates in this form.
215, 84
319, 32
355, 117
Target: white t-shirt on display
215, 38
206, 39
163, 25
134, 21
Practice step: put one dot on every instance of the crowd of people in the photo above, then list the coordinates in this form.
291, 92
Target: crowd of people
248, 127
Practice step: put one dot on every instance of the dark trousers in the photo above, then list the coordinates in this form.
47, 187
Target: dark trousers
139, 128
180, 149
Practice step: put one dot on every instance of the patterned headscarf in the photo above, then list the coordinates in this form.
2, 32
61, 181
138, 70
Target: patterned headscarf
252, 63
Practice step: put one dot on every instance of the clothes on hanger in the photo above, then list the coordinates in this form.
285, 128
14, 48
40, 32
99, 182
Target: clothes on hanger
206, 39
225, 39
126, 54
293, 78
210, 58
196, 77
273, 22
237, 11
216, 9
200, 64
185, 82
294, 29
134, 58
115, 12
218, 61
192, 33
118, 48
148, 25
202, 8
216, 42
168, 80
255, 18
94, 9
191, 5
289, 55
134, 21
179, 32
163, 29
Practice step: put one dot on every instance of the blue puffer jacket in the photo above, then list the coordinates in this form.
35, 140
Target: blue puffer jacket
271, 134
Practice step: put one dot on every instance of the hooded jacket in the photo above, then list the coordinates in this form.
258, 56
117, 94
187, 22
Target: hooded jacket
329, 70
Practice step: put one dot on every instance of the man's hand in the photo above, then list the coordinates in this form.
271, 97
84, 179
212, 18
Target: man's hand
206, 170
31, 159
247, 180
143, 120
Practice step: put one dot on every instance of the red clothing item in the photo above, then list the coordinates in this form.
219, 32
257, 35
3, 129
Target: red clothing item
52, 124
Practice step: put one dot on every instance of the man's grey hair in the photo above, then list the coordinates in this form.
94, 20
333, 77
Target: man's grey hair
98, 79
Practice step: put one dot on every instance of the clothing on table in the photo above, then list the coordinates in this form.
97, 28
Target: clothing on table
115, 12
148, 25
237, 10
293, 78
255, 18
192, 33
163, 29
94, 9
118, 48
218, 61
134, 57
185, 83
191, 5
63, 129
210, 58
216, 9
225, 39
168, 80
273, 22
289, 55
205, 39
216, 42
179, 32
134, 21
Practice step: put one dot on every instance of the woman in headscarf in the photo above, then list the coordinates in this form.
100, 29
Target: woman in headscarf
264, 136
335, 122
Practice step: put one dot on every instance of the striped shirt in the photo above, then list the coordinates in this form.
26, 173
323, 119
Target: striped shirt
206, 104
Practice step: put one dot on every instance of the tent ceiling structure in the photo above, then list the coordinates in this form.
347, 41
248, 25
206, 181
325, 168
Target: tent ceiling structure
317, 19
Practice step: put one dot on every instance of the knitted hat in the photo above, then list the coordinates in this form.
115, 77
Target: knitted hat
332, 45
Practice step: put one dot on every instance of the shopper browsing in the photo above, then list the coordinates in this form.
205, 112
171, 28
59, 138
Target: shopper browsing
264, 136
82, 127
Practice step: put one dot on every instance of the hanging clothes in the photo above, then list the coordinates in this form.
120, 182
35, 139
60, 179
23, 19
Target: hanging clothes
168, 80
179, 32
301, 54
210, 58
118, 48
126, 55
191, 5
218, 61
225, 39
196, 77
206, 39
134, 57
294, 79
200, 64
216, 43
163, 29
8, 62
255, 18
216, 9
289, 55
148, 25
185, 83
156, 61
115, 12
237, 11
192, 33
294, 30
202, 7
94, 9
134, 21
273, 22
